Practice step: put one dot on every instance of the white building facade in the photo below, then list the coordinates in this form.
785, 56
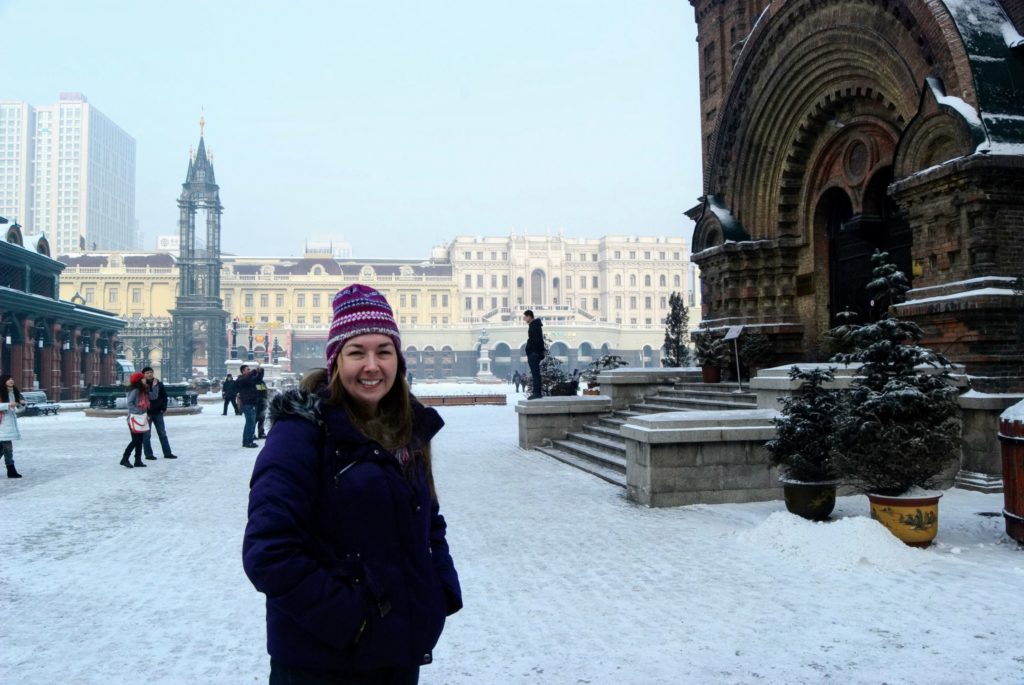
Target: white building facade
68, 171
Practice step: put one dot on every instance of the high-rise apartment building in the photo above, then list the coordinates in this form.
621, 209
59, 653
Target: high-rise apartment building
67, 171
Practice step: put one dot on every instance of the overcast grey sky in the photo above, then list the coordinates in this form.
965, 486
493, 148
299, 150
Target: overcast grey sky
398, 125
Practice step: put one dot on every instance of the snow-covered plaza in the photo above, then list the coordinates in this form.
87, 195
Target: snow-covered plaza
110, 575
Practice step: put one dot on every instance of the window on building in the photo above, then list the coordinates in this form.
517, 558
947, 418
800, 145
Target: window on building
300, 319
647, 281
583, 303
479, 303
647, 321
248, 300
227, 300
676, 280
494, 280
480, 256
300, 300
504, 302
618, 279
467, 255
264, 319
632, 302
617, 254
661, 256
316, 320
647, 302
632, 320
469, 280
662, 280
433, 300
444, 300
414, 300
618, 302
595, 306
112, 295
494, 256
675, 256
647, 255
136, 295
504, 256
632, 254
433, 322
469, 303
316, 300
632, 280
279, 300
593, 282
593, 257
664, 303
568, 256
479, 280
401, 300
279, 318
264, 300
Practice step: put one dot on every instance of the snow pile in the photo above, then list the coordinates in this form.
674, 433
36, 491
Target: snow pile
847, 545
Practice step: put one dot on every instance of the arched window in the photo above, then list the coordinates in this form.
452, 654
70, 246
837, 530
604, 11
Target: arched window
537, 294
632, 280
662, 281
618, 279
677, 281
647, 281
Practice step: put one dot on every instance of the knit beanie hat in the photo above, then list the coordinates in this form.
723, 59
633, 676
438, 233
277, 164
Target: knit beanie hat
358, 310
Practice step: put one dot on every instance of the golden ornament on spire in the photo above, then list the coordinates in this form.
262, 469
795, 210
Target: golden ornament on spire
202, 125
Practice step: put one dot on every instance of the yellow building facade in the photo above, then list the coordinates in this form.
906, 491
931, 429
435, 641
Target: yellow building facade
608, 294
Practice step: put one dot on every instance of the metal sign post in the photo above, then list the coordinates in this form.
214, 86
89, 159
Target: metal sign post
734, 334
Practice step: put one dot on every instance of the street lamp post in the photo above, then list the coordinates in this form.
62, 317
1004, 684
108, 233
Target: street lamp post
234, 338
250, 354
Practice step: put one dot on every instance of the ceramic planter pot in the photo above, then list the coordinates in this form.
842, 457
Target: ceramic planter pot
914, 520
812, 501
711, 374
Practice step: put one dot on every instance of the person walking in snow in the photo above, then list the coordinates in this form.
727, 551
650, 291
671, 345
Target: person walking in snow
157, 408
228, 393
138, 419
10, 404
345, 535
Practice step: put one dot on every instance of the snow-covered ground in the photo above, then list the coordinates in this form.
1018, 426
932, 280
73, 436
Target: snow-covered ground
110, 575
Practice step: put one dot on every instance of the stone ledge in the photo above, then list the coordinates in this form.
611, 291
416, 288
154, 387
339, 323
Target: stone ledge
644, 376
591, 404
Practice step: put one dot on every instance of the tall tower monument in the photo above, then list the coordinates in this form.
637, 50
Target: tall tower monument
198, 319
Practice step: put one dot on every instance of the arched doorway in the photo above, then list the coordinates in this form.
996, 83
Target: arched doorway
537, 295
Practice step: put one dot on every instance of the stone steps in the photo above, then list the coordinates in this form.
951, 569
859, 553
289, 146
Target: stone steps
599, 448
610, 474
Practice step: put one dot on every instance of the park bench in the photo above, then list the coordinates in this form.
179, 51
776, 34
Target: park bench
37, 403
106, 396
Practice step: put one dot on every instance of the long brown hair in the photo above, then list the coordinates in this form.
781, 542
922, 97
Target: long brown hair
6, 396
392, 426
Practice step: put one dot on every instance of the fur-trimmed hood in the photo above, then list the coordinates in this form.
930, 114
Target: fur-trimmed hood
301, 403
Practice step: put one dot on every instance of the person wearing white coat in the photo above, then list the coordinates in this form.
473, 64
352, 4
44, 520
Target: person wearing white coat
10, 403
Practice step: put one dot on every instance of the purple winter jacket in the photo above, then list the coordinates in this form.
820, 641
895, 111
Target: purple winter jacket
350, 552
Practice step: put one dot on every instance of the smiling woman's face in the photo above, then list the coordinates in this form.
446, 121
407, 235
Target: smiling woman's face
367, 366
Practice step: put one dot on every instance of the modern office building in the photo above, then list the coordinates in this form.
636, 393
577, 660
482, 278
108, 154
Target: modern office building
68, 172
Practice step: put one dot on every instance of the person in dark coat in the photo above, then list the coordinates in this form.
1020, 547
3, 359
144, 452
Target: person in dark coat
534, 351
229, 393
249, 398
156, 411
345, 535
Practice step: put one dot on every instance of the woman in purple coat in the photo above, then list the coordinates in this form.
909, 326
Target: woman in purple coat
345, 537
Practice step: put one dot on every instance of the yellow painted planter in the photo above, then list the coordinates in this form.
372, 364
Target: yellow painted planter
914, 520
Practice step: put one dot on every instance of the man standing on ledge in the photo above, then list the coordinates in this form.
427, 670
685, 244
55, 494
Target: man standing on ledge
534, 351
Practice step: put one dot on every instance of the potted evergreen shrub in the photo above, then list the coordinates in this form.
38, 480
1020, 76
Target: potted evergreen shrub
803, 447
710, 353
604, 363
900, 427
